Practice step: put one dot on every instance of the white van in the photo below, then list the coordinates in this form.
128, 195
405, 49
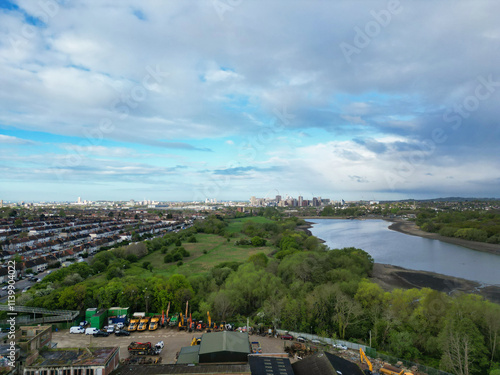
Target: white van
91, 331
77, 329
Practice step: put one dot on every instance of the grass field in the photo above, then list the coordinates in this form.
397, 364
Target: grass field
236, 224
217, 248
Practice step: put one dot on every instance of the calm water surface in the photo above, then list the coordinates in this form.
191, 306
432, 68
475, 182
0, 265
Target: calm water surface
412, 252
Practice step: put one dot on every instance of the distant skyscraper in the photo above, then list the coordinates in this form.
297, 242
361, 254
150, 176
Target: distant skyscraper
253, 201
79, 200
301, 199
278, 198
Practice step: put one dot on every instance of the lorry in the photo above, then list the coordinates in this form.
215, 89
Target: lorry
143, 324
153, 325
133, 325
140, 348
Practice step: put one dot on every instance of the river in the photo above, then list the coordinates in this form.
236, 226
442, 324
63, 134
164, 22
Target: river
412, 252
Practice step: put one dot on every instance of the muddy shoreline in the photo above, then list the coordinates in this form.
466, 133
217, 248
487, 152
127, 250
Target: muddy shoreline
391, 277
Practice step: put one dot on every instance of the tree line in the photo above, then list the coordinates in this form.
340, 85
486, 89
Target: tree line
297, 284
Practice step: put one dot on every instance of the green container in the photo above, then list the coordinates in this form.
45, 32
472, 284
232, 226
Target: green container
118, 311
99, 319
90, 313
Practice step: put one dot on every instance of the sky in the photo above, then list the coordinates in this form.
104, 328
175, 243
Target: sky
227, 99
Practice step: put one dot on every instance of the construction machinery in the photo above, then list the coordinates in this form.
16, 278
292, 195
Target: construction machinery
133, 325
143, 324
153, 324
145, 348
182, 322
364, 358
210, 326
196, 341
173, 322
256, 347
391, 370
140, 348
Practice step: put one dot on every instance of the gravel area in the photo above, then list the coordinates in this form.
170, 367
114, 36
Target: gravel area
172, 338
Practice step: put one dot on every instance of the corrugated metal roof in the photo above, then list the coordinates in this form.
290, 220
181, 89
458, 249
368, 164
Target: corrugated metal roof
260, 365
181, 369
188, 354
225, 341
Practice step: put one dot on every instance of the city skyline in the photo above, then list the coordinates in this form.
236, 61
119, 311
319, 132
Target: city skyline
176, 101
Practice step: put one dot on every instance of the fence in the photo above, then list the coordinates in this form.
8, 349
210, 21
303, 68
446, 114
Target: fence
368, 351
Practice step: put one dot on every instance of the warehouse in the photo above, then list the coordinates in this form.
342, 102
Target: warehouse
217, 347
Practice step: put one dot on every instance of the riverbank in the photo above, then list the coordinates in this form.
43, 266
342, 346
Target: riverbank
410, 228
391, 277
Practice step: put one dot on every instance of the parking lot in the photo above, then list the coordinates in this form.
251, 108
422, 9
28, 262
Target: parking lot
173, 339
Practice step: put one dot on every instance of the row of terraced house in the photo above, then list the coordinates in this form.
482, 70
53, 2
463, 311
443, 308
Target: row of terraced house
51, 242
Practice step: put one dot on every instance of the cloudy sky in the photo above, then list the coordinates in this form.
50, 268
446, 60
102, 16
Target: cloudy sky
184, 100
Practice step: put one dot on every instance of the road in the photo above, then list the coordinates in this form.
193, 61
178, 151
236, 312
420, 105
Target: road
20, 285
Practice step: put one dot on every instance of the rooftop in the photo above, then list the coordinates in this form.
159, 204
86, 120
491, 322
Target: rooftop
74, 357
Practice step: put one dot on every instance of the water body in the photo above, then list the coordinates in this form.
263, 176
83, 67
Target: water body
412, 252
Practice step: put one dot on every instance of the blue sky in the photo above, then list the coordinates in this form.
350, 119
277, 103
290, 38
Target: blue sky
220, 99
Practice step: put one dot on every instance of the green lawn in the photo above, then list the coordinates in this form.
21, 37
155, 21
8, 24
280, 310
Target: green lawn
236, 224
218, 250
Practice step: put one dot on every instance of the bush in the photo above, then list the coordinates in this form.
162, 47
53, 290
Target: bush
168, 258
448, 231
146, 265
258, 242
180, 263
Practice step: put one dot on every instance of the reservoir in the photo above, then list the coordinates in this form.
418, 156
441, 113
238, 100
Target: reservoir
412, 252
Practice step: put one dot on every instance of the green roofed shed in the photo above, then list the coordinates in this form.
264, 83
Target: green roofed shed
224, 347
188, 354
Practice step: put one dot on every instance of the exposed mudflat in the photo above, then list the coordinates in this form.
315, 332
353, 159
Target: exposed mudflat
391, 277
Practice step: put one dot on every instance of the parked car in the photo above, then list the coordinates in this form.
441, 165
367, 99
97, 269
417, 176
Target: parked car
317, 342
120, 325
101, 334
301, 339
287, 337
340, 346
84, 323
77, 329
91, 331
122, 333
110, 328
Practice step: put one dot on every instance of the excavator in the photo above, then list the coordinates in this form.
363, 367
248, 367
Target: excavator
364, 358
211, 326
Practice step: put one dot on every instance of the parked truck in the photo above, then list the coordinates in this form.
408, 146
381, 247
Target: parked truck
133, 325
153, 325
143, 324
140, 348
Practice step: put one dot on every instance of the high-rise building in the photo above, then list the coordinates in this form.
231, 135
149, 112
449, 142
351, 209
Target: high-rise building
278, 198
301, 199
79, 200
